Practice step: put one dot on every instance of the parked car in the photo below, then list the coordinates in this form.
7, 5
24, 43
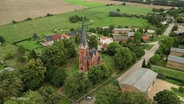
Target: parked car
88, 98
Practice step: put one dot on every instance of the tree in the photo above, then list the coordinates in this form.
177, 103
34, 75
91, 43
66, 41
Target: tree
54, 55
99, 73
108, 95
93, 42
30, 97
123, 57
154, 60
75, 85
165, 43
49, 95
137, 38
32, 74
33, 55
175, 27
70, 48
112, 48
133, 98
166, 97
116, 83
10, 85
57, 76
2, 40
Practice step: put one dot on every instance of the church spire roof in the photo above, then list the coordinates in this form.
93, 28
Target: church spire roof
83, 35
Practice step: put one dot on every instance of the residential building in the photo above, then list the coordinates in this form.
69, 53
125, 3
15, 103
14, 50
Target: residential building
140, 80
87, 58
106, 40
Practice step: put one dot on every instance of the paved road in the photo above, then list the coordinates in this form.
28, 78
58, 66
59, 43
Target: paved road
168, 30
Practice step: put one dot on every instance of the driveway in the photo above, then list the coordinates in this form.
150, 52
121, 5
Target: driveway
161, 85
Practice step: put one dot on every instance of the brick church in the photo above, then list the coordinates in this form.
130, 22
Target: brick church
87, 58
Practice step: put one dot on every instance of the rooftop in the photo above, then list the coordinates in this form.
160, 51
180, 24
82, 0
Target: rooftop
141, 79
122, 29
177, 50
176, 59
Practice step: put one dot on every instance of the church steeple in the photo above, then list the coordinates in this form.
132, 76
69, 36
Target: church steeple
83, 36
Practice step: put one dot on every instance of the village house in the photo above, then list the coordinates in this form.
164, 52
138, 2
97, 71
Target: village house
120, 38
175, 62
87, 58
177, 52
49, 40
140, 80
121, 30
106, 40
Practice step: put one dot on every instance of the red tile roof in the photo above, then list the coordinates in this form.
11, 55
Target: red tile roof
64, 35
56, 36
145, 37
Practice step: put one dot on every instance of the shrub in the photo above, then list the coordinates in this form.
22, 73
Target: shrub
14, 22
161, 76
2, 40
181, 89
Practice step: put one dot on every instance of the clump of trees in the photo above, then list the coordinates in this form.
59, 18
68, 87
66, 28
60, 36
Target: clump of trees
76, 18
166, 97
103, 31
112, 95
78, 84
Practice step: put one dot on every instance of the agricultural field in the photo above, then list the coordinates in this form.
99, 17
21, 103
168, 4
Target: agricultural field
84, 3
21, 9
97, 17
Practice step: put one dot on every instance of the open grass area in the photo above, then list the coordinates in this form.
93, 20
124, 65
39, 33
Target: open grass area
6, 49
31, 45
174, 74
83, 3
98, 16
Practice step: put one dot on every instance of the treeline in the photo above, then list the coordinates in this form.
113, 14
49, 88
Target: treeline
177, 3
76, 18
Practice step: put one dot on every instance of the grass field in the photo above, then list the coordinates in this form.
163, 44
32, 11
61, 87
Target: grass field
176, 91
19, 31
170, 73
83, 3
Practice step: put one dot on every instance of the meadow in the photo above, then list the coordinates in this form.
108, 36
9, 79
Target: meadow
98, 16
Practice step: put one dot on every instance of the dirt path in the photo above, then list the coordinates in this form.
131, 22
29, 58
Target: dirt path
21, 9
161, 85
128, 3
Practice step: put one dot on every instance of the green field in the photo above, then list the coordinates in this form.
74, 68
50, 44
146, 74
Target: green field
83, 3
170, 73
46, 25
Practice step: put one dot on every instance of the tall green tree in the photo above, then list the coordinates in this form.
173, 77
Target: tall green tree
166, 97
165, 43
49, 95
2, 40
10, 85
112, 48
70, 48
54, 55
93, 42
99, 73
32, 74
123, 57
108, 95
137, 38
75, 85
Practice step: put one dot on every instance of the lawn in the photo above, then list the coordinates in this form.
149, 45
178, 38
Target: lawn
97, 17
83, 3
31, 45
175, 74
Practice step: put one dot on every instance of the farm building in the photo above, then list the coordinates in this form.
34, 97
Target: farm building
121, 30
175, 62
177, 52
140, 80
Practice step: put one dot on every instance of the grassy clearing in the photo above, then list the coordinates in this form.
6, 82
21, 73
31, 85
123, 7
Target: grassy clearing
7, 49
97, 17
175, 74
176, 91
31, 45
83, 3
